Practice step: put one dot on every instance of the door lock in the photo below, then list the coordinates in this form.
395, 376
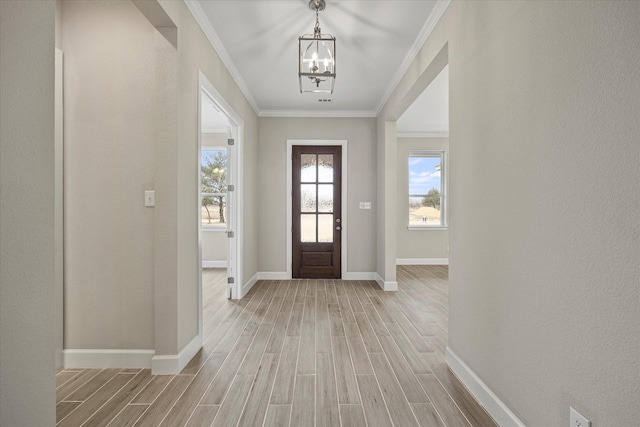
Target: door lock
338, 220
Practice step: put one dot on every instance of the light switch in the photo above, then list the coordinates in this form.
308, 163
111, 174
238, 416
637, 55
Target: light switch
365, 205
150, 198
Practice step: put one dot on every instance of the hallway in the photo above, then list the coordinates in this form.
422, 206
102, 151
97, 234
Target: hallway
299, 353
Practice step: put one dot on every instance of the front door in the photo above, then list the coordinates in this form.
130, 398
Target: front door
317, 221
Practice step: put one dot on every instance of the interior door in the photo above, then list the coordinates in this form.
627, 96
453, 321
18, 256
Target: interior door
317, 222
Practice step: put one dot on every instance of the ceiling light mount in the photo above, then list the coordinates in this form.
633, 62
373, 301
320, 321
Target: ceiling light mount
317, 57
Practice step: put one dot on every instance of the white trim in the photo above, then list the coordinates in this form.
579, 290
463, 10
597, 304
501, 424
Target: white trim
201, 18
444, 134
359, 275
272, 275
422, 261
214, 228
315, 113
427, 227
283, 275
427, 28
104, 358
343, 241
386, 286
214, 264
247, 286
479, 390
235, 176
173, 364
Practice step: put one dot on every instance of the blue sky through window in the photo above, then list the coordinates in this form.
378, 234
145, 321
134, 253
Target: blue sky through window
424, 174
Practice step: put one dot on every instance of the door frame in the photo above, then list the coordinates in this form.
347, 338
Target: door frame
234, 199
289, 191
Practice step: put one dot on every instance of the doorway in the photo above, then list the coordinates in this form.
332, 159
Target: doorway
316, 215
220, 134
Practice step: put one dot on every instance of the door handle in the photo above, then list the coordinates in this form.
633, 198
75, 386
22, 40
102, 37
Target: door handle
338, 228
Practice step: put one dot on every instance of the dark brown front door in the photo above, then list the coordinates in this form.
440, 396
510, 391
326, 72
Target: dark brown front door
317, 223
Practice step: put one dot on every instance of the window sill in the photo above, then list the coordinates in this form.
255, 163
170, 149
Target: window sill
427, 227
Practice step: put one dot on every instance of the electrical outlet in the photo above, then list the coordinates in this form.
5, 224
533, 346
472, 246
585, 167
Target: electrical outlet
576, 419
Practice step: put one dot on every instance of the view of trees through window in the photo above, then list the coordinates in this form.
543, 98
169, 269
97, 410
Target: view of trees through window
426, 199
214, 186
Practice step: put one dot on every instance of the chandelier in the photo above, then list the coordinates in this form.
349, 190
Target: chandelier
317, 57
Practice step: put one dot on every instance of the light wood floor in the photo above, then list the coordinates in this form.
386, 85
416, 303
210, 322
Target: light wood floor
295, 353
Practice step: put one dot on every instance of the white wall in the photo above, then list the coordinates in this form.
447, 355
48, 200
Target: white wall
544, 236
27, 319
422, 245
272, 169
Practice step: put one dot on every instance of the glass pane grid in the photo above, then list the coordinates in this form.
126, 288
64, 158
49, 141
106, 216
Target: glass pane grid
316, 217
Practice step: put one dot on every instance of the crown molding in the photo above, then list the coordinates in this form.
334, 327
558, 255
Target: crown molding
427, 28
211, 34
315, 113
422, 134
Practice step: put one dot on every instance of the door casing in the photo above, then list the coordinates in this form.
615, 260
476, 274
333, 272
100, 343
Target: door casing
345, 219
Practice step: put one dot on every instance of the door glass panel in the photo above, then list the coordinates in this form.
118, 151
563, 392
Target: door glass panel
325, 228
325, 198
308, 192
308, 168
325, 168
308, 228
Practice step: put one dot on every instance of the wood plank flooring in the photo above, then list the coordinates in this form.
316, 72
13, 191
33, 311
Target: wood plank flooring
295, 353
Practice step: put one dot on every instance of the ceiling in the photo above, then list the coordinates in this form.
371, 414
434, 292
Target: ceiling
429, 113
375, 42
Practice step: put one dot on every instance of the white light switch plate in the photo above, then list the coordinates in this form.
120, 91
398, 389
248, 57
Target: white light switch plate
150, 198
365, 205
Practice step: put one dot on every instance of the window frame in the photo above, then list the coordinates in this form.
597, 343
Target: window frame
214, 227
442, 154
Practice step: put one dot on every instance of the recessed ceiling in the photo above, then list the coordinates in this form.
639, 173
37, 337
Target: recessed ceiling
429, 113
375, 42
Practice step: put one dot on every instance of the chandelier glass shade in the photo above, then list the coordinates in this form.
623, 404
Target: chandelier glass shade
317, 57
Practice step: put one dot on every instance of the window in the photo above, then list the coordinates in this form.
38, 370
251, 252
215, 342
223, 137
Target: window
426, 189
213, 178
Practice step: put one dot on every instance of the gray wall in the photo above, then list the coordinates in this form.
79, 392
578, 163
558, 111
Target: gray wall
272, 170
131, 125
195, 54
417, 244
109, 163
27, 319
544, 236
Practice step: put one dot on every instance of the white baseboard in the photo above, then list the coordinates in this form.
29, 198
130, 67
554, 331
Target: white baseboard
422, 261
172, 364
214, 264
492, 404
272, 275
104, 358
283, 275
247, 286
357, 275
386, 286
